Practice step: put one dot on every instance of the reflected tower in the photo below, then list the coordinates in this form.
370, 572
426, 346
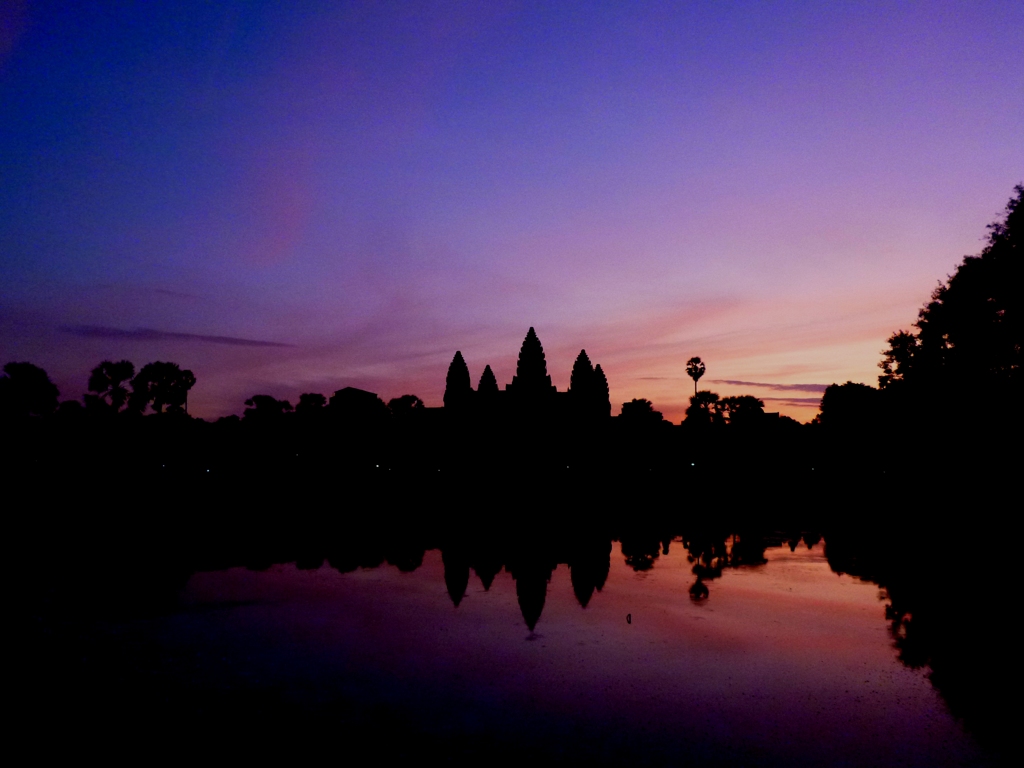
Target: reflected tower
456, 572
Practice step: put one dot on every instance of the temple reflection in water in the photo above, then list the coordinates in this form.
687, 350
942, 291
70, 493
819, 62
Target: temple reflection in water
708, 598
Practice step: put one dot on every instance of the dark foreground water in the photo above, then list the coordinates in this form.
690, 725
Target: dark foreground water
778, 660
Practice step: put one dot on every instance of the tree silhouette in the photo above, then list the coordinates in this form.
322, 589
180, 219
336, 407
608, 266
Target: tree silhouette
358, 408
69, 410
108, 382
695, 369
898, 358
263, 407
161, 385
640, 411
640, 551
973, 326
704, 408
310, 403
26, 390
405, 406
741, 409
849, 406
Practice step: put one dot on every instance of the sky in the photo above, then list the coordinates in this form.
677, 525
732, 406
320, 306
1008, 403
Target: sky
298, 197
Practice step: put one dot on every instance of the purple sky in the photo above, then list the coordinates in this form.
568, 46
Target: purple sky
360, 189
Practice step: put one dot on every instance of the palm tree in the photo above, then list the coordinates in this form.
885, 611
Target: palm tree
695, 368
108, 381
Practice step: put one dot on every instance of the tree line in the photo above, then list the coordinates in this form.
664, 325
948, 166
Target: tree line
159, 387
964, 350
959, 366
162, 388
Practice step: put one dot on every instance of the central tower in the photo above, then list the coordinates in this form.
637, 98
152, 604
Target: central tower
531, 377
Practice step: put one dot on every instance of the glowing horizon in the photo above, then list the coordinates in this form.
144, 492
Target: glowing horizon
357, 193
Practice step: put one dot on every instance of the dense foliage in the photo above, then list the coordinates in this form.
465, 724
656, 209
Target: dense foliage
969, 334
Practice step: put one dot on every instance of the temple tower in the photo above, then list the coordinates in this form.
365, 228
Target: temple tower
602, 399
458, 392
488, 385
581, 381
531, 379
588, 389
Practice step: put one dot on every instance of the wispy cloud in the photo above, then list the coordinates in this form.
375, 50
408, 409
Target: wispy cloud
175, 294
815, 401
774, 387
149, 334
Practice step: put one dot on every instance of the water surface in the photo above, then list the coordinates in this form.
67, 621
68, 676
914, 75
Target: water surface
782, 662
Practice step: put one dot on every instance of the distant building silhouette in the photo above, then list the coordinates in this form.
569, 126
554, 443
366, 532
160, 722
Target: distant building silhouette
602, 398
588, 389
531, 379
458, 391
488, 385
530, 394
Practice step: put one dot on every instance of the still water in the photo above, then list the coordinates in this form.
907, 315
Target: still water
783, 662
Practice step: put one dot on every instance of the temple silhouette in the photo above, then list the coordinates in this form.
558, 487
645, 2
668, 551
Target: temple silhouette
530, 395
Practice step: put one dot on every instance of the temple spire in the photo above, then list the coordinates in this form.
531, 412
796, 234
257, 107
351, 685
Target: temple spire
602, 398
458, 390
532, 368
488, 383
582, 381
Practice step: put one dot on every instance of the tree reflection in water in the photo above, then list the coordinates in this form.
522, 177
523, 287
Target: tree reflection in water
929, 606
940, 619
